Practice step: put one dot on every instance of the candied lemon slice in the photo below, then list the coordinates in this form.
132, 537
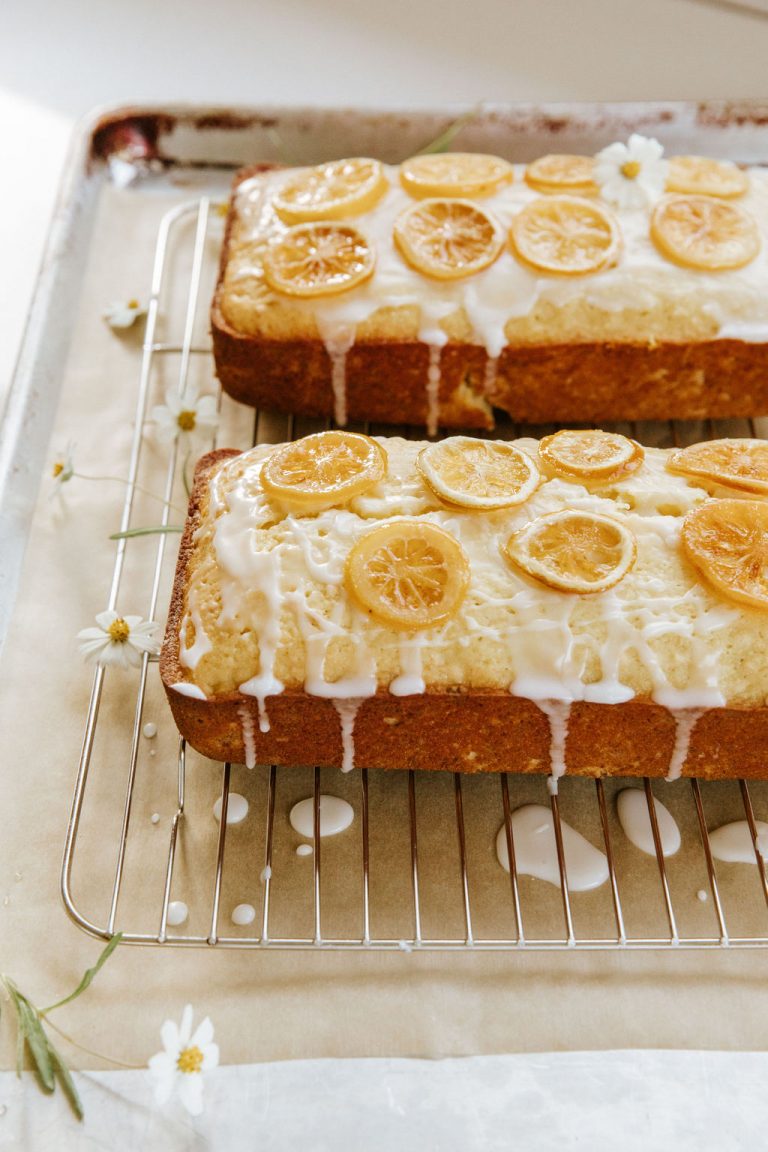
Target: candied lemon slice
455, 174
590, 454
481, 474
562, 173
734, 463
705, 177
331, 191
702, 232
324, 469
574, 551
318, 260
727, 541
448, 239
409, 574
565, 235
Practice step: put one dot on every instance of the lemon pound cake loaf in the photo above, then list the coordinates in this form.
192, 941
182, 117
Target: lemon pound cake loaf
575, 288
579, 604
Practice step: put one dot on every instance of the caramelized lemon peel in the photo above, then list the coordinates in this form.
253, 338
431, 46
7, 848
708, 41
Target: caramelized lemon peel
732, 463
455, 174
558, 173
483, 475
590, 455
318, 260
727, 542
573, 551
701, 175
447, 239
565, 236
408, 574
331, 191
704, 233
324, 469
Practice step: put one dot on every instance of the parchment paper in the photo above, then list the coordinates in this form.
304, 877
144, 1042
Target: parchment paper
273, 1006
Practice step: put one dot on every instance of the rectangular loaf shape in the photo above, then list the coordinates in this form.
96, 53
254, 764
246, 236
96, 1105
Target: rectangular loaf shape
268, 659
640, 340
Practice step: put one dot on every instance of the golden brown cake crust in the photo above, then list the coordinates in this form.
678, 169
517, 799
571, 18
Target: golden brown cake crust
476, 730
581, 380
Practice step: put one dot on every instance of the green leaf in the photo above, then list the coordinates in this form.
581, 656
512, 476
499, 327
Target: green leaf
16, 998
443, 142
37, 1042
161, 528
88, 975
67, 1083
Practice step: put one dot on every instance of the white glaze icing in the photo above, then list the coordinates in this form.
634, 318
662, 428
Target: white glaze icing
177, 913
184, 688
249, 735
150, 730
335, 816
243, 914
237, 808
635, 820
737, 300
348, 710
304, 850
533, 837
732, 843
686, 720
558, 713
433, 389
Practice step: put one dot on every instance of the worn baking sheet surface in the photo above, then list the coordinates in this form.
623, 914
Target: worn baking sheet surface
363, 1004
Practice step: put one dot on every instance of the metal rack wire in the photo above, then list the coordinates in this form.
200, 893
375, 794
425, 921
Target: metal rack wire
388, 888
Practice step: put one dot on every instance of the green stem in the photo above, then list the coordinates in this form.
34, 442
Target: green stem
162, 528
138, 488
90, 1051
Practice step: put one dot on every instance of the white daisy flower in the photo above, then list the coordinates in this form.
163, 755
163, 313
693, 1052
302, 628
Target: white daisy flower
631, 175
63, 467
185, 1059
119, 640
187, 415
123, 313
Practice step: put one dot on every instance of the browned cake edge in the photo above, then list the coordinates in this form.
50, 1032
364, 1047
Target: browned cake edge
469, 730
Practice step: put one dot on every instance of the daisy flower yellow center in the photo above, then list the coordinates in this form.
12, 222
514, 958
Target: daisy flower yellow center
133, 304
186, 420
631, 170
190, 1060
119, 631
58, 468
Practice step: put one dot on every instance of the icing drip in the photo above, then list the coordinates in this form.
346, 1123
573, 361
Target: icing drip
347, 709
489, 374
191, 690
410, 682
249, 735
635, 820
533, 838
685, 722
433, 389
336, 815
338, 339
265, 578
558, 712
732, 843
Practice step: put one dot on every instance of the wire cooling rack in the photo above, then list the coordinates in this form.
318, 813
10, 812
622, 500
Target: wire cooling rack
417, 869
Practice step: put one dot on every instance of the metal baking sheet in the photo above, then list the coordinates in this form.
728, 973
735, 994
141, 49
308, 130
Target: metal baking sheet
197, 144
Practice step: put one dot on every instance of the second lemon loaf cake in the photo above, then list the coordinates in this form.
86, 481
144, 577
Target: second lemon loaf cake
432, 292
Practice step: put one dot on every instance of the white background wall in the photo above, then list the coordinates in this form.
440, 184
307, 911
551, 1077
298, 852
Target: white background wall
60, 58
